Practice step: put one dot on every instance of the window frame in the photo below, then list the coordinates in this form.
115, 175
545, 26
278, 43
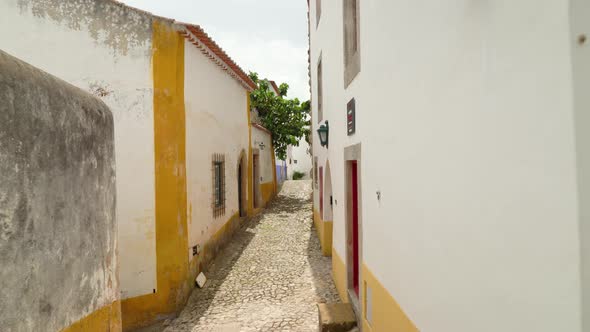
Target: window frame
318, 12
320, 90
315, 171
218, 198
351, 42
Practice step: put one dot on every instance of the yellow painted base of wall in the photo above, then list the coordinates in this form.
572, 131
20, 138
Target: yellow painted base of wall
387, 314
267, 190
213, 245
145, 310
339, 276
324, 231
107, 318
173, 285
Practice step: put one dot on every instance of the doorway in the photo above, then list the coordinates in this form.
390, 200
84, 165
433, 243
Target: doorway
241, 185
256, 177
327, 204
353, 227
321, 172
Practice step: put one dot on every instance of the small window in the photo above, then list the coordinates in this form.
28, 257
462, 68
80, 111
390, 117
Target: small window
320, 92
218, 170
295, 161
352, 60
318, 12
315, 171
290, 161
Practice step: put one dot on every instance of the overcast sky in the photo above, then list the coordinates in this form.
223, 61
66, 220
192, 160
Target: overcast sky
265, 36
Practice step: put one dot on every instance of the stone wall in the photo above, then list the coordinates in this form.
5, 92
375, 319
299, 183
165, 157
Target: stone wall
58, 232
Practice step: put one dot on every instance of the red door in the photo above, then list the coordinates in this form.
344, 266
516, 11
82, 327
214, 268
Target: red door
321, 192
355, 227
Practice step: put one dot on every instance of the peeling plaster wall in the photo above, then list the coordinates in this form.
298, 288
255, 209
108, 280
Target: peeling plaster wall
58, 233
104, 48
216, 122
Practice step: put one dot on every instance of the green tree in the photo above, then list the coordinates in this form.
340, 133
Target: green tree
287, 119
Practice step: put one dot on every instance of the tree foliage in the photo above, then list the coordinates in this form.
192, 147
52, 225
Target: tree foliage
287, 119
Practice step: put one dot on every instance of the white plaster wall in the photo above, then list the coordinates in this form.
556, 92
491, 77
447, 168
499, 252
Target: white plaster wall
216, 122
465, 117
75, 43
304, 163
266, 164
580, 12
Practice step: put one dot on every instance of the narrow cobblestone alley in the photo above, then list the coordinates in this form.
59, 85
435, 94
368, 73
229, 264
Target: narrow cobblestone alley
269, 278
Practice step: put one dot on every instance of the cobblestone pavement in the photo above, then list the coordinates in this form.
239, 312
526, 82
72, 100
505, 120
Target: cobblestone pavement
269, 278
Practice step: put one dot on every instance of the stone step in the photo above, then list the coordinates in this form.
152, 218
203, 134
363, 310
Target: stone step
336, 317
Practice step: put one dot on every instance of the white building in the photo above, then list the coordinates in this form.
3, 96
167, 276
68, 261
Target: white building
184, 163
454, 192
299, 159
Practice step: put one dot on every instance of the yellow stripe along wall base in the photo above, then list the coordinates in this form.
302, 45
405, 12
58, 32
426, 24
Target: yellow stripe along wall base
387, 315
107, 318
173, 284
267, 190
324, 231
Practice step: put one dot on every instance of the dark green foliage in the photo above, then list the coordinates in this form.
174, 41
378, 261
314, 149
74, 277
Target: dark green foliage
298, 175
287, 119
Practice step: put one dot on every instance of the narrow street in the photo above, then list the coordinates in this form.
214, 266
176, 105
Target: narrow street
269, 278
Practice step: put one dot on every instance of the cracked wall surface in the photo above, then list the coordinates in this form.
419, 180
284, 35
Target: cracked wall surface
104, 48
58, 231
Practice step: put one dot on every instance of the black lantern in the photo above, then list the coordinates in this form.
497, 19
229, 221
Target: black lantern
323, 133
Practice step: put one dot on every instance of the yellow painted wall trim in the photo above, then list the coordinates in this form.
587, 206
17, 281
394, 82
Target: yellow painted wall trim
267, 190
107, 318
387, 314
324, 231
327, 239
339, 276
173, 285
212, 244
250, 201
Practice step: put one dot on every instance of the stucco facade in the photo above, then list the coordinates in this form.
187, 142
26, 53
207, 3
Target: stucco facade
58, 230
299, 159
176, 100
264, 172
85, 45
471, 158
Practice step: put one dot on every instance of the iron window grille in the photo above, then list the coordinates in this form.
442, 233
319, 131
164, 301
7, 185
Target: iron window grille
218, 181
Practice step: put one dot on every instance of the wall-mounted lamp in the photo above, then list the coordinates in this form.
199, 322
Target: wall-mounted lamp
323, 132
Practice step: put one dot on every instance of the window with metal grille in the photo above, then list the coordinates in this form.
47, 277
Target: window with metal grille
218, 176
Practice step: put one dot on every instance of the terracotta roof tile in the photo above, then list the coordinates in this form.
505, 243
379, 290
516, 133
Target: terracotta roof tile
274, 86
203, 39
198, 37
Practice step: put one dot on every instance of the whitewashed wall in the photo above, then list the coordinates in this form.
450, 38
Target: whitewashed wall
216, 122
108, 55
304, 163
580, 12
465, 116
265, 155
